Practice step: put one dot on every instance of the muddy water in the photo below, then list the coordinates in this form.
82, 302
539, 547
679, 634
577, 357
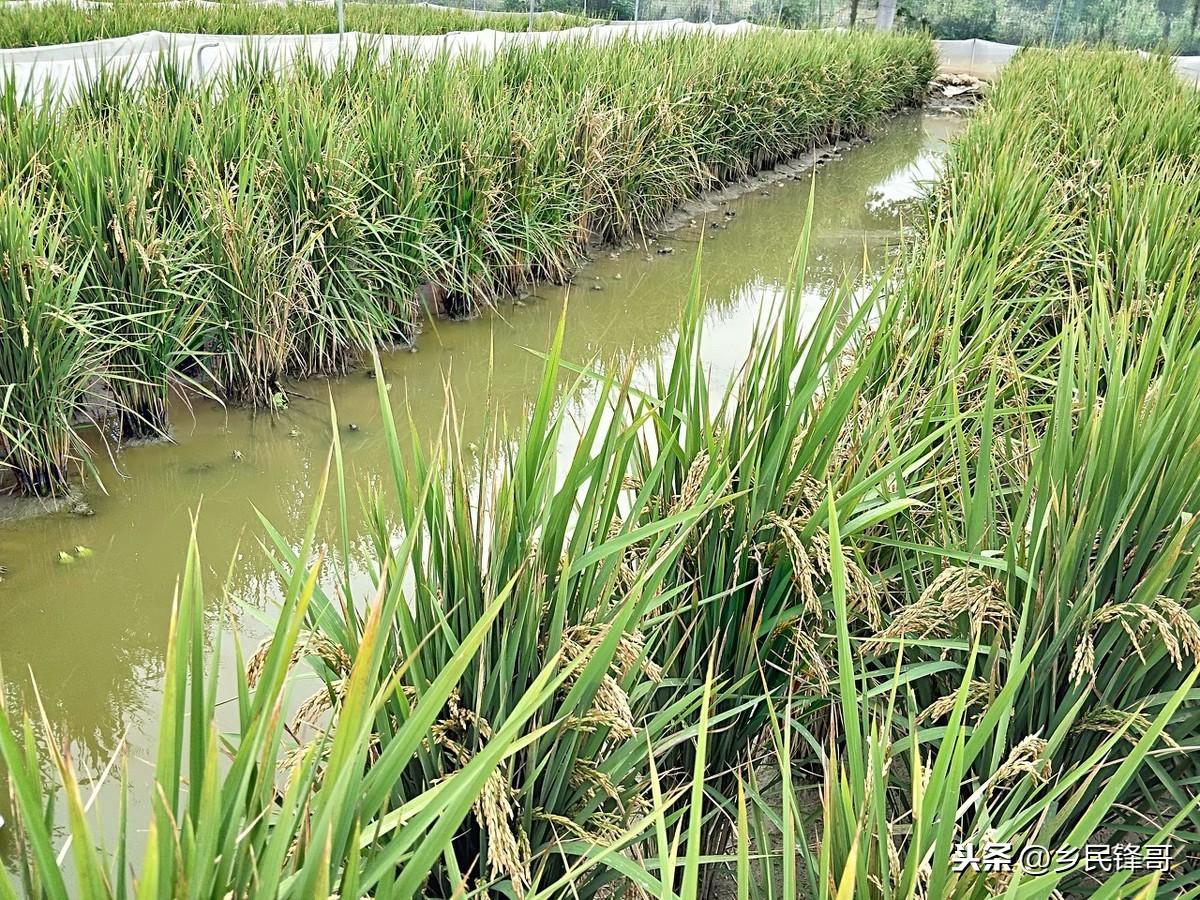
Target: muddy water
92, 632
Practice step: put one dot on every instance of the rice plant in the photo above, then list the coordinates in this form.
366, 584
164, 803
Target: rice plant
552, 539
883, 821
133, 258
341, 311
49, 351
64, 23
396, 199
261, 815
1053, 523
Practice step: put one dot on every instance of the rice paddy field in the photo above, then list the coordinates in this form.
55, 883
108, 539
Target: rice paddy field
268, 226
890, 552
23, 25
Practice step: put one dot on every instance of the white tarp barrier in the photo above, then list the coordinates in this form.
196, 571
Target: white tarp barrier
1188, 67
61, 69
985, 59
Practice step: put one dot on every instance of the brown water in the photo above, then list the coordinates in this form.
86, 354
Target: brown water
92, 633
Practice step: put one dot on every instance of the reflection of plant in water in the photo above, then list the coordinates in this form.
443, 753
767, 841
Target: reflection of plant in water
118, 688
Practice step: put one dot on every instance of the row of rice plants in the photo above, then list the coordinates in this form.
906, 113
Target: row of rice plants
949, 594
1050, 318
29, 25
264, 226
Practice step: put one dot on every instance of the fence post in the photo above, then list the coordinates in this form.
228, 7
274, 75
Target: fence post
531, 2
1057, 17
341, 14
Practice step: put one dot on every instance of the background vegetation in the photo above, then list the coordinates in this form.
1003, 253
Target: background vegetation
1145, 24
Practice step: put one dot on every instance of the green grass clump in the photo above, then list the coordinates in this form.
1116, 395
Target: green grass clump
63, 23
261, 226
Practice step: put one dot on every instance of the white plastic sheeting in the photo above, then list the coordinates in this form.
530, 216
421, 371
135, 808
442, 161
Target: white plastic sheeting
1189, 68
61, 69
985, 59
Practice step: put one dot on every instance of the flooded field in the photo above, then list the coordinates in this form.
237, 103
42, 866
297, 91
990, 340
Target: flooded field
86, 601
